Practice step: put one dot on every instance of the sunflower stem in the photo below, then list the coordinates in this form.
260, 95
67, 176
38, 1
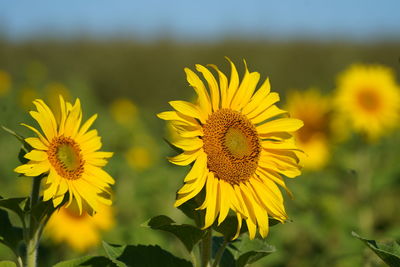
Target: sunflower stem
205, 249
34, 230
220, 252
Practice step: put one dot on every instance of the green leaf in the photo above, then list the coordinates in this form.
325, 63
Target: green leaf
142, 256
227, 259
389, 253
7, 264
93, 261
252, 251
9, 235
190, 206
189, 235
113, 252
14, 204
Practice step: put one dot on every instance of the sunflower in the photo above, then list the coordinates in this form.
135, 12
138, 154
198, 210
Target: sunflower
368, 97
240, 144
315, 136
79, 231
67, 154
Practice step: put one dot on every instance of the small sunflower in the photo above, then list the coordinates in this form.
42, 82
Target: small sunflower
67, 154
240, 144
368, 97
314, 137
79, 231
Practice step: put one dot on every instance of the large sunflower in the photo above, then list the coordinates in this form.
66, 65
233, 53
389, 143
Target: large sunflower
67, 154
79, 231
368, 97
239, 146
314, 138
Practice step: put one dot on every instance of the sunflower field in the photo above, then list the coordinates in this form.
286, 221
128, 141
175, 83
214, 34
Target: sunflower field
93, 131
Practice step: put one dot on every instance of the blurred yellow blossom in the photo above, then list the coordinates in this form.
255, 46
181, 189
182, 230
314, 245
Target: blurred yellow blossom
123, 110
5, 83
368, 98
314, 137
26, 97
139, 157
80, 232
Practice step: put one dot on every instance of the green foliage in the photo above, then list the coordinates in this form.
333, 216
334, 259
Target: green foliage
25, 146
16, 205
93, 261
10, 235
251, 251
389, 253
142, 256
189, 235
7, 264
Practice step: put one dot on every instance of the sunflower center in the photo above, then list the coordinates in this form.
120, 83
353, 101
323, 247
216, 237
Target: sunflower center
368, 100
65, 156
232, 146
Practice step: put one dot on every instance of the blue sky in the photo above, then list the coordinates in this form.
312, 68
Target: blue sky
202, 20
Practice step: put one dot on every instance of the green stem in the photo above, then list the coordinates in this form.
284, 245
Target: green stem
205, 249
219, 254
34, 230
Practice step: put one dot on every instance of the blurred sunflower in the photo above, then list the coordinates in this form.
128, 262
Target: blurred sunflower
123, 110
368, 97
26, 97
5, 83
79, 230
139, 157
239, 148
314, 137
67, 154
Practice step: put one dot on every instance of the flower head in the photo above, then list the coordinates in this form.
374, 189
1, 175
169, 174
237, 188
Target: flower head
314, 137
369, 98
79, 231
240, 143
67, 154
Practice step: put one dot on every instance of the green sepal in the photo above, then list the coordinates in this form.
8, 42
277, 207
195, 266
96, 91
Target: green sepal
188, 234
389, 253
141, 255
93, 261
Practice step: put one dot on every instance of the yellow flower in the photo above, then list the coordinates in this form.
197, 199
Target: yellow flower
139, 157
5, 83
123, 110
26, 97
67, 153
368, 97
314, 137
240, 144
79, 231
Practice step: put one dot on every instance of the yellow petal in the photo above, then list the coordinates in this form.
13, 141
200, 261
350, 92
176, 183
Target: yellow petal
223, 86
185, 197
189, 144
188, 109
212, 84
36, 143
177, 116
85, 127
36, 155
280, 125
186, 157
225, 201
233, 83
258, 97
198, 86
268, 101
269, 113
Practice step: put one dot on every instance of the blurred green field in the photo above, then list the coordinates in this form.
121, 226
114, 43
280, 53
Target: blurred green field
357, 191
